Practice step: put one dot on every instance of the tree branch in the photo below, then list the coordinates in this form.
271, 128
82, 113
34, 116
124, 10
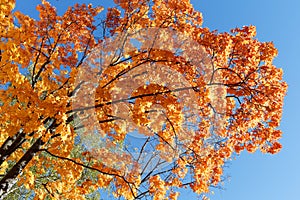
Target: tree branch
92, 168
10, 178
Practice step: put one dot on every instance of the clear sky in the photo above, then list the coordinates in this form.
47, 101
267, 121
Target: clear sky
254, 176
259, 176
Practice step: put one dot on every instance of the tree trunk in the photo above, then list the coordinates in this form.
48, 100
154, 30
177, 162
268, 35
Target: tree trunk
11, 177
10, 145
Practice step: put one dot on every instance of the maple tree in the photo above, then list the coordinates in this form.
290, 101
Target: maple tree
142, 101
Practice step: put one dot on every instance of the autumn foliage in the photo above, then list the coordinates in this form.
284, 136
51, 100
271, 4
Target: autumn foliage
139, 100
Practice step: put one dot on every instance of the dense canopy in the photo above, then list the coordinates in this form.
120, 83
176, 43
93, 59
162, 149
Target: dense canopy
138, 99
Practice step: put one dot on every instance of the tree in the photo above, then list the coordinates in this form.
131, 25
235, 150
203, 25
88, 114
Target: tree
140, 99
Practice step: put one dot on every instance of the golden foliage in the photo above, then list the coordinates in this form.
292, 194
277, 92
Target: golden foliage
233, 103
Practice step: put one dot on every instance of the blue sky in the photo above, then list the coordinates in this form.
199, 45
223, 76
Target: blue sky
255, 176
260, 176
